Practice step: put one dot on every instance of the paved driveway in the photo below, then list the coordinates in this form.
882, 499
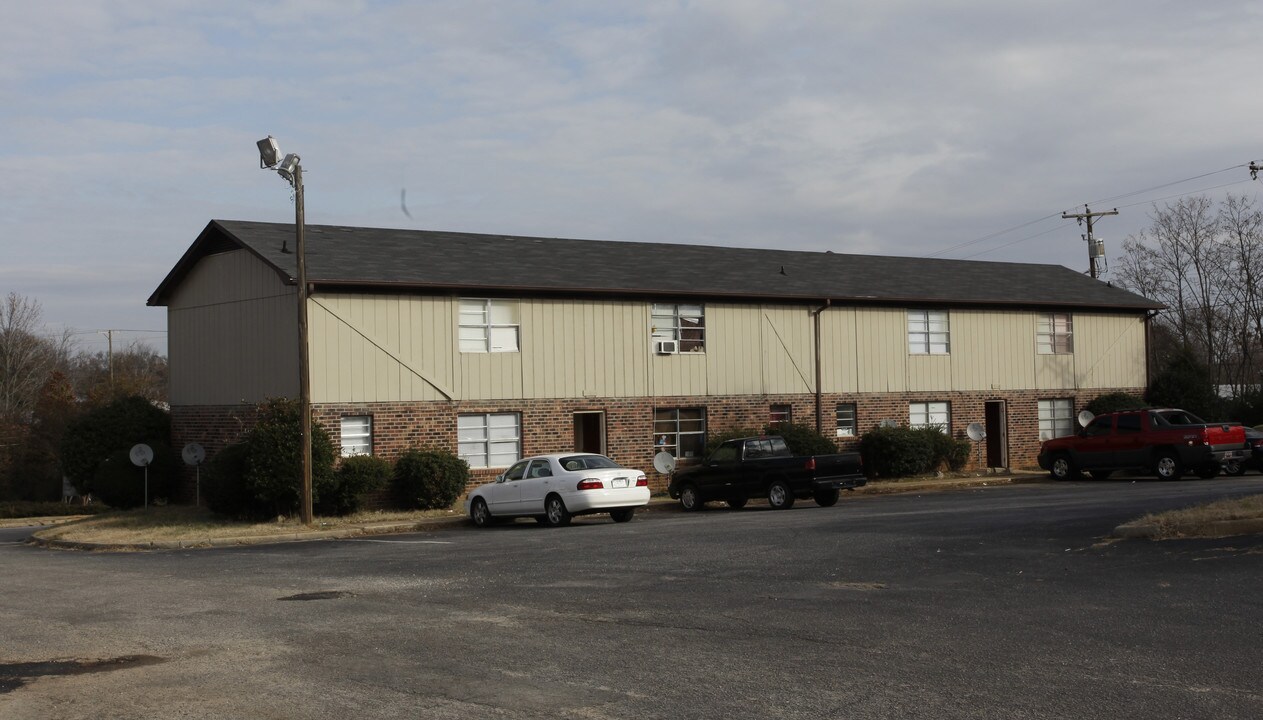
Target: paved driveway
1001, 602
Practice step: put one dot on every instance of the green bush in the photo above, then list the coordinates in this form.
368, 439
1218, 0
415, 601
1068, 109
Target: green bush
803, 439
223, 483
430, 478
356, 476
714, 440
119, 483
24, 509
106, 430
274, 463
895, 452
898, 452
1114, 402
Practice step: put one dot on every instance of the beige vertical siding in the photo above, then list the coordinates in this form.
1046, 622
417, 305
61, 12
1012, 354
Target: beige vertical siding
1109, 351
382, 348
233, 333
881, 346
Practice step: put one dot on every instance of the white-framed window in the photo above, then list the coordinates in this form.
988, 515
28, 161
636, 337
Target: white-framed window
488, 325
778, 414
489, 439
930, 414
680, 431
928, 332
846, 419
357, 435
1056, 418
1054, 334
684, 324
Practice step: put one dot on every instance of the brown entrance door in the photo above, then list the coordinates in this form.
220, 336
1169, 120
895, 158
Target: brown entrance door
589, 432
997, 438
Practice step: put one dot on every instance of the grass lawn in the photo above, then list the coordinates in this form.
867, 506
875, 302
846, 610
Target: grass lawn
1202, 520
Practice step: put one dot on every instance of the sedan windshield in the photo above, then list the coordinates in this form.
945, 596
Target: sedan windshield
587, 462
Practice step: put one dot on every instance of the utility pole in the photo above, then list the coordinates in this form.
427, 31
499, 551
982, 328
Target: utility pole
1095, 248
109, 335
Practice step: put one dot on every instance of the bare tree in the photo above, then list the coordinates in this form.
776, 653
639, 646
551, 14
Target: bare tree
137, 370
26, 358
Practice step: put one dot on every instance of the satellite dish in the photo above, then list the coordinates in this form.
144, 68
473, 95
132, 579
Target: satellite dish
975, 431
141, 455
193, 454
664, 462
1085, 417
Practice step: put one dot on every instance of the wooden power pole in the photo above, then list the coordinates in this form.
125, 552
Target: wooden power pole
1096, 248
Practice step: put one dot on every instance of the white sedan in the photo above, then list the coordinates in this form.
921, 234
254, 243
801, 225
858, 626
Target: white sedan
553, 488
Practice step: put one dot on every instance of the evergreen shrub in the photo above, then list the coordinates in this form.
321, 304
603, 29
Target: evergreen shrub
430, 478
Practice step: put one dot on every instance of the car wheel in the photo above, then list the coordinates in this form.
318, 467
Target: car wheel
555, 512
1234, 468
826, 498
622, 515
479, 513
690, 500
1167, 466
736, 502
1208, 471
1100, 474
1062, 468
779, 496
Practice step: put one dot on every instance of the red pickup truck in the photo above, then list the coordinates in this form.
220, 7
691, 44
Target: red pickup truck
1164, 441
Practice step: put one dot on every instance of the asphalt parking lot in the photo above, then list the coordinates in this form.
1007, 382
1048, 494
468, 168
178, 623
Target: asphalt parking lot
997, 602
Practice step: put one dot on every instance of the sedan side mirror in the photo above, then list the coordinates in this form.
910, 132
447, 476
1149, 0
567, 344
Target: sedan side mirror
500, 478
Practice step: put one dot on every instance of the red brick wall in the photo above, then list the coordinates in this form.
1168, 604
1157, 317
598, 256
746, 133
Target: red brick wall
547, 425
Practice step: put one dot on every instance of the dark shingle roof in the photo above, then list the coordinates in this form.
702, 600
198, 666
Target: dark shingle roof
416, 259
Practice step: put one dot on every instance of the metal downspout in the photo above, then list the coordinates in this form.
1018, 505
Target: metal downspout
819, 374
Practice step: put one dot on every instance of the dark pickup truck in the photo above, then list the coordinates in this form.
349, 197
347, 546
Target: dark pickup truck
1164, 441
758, 467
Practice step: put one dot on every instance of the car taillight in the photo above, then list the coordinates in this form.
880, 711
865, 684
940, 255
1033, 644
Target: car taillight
590, 484
810, 464
1257, 443
642, 481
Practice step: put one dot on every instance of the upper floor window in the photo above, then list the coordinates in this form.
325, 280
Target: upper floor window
931, 415
1055, 334
357, 435
683, 325
928, 332
488, 325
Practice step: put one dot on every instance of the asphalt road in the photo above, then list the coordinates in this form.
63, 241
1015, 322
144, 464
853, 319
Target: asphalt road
1003, 602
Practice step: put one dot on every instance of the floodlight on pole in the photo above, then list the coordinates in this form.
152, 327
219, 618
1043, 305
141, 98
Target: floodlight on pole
290, 168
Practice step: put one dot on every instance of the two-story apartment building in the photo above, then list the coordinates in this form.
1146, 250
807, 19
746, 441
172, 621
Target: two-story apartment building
497, 347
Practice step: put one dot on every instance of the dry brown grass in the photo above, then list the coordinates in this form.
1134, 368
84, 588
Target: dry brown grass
186, 524
1202, 520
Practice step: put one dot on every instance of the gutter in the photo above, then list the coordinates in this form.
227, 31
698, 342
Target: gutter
816, 321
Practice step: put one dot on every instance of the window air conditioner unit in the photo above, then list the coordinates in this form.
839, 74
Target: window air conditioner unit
666, 347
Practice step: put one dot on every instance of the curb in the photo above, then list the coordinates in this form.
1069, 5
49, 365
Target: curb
386, 528
1215, 529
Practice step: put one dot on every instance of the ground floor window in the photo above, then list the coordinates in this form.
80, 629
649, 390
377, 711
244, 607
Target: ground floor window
931, 414
1056, 418
846, 419
780, 414
357, 435
680, 431
489, 439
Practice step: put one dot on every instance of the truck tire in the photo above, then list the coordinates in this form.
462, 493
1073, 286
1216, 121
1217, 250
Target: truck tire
1062, 467
779, 495
1234, 468
826, 498
1167, 466
690, 500
1208, 471
1100, 474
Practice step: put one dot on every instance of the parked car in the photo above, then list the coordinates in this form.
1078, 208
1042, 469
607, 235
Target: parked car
1165, 441
1253, 457
763, 467
553, 488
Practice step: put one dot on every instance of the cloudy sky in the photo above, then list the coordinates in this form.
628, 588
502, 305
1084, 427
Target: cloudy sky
868, 126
